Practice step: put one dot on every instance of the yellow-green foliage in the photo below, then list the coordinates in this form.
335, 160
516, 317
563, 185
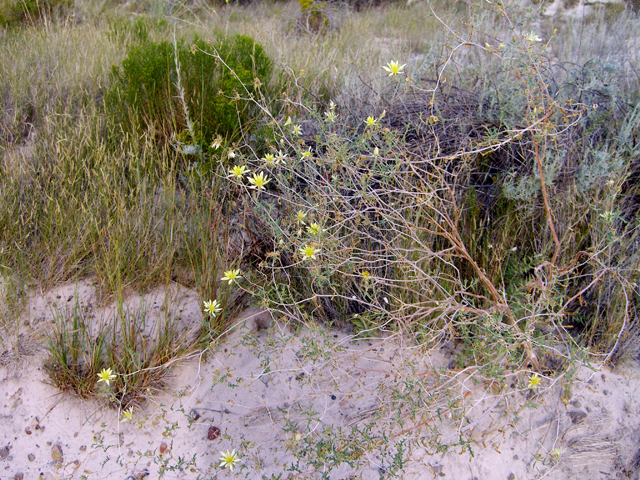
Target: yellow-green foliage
15, 12
217, 82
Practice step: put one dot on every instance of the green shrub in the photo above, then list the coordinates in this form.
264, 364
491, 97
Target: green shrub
15, 12
215, 82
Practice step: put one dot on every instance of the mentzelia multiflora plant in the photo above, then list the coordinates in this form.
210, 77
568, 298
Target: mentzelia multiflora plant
365, 231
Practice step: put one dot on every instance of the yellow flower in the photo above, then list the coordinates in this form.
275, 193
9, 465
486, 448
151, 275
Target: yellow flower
306, 153
532, 37
332, 106
296, 130
301, 216
314, 229
288, 122
608, 215
270, 159
331, 115
309, 252
394, 68
371, 122
366, 275
232, 276
106, 376
229, 459
212, 307
238, 171
127, 414
534, 380
433, 119
281, 157
259, 181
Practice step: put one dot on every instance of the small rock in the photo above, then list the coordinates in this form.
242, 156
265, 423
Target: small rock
83, 448
19, 476
4, 452
28, 431
511, 476
213, 433
31, 457
418, 454
57, 454
577, 416
163, 447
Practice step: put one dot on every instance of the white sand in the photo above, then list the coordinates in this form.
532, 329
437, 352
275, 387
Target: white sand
274, 395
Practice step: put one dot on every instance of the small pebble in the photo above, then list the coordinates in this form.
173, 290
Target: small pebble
4, 453
31, 457
163, 447
577, 416
418, 454
19, 476
57, 454
213, 433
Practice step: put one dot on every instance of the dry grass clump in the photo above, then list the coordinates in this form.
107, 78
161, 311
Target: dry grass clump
124, 357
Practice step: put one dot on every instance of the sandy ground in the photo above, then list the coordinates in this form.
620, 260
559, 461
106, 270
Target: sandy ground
312, 402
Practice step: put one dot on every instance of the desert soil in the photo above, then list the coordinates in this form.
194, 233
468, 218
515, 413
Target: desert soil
281, 397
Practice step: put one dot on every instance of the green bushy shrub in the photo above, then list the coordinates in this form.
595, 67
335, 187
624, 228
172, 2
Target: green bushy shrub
15, 12
216, 83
